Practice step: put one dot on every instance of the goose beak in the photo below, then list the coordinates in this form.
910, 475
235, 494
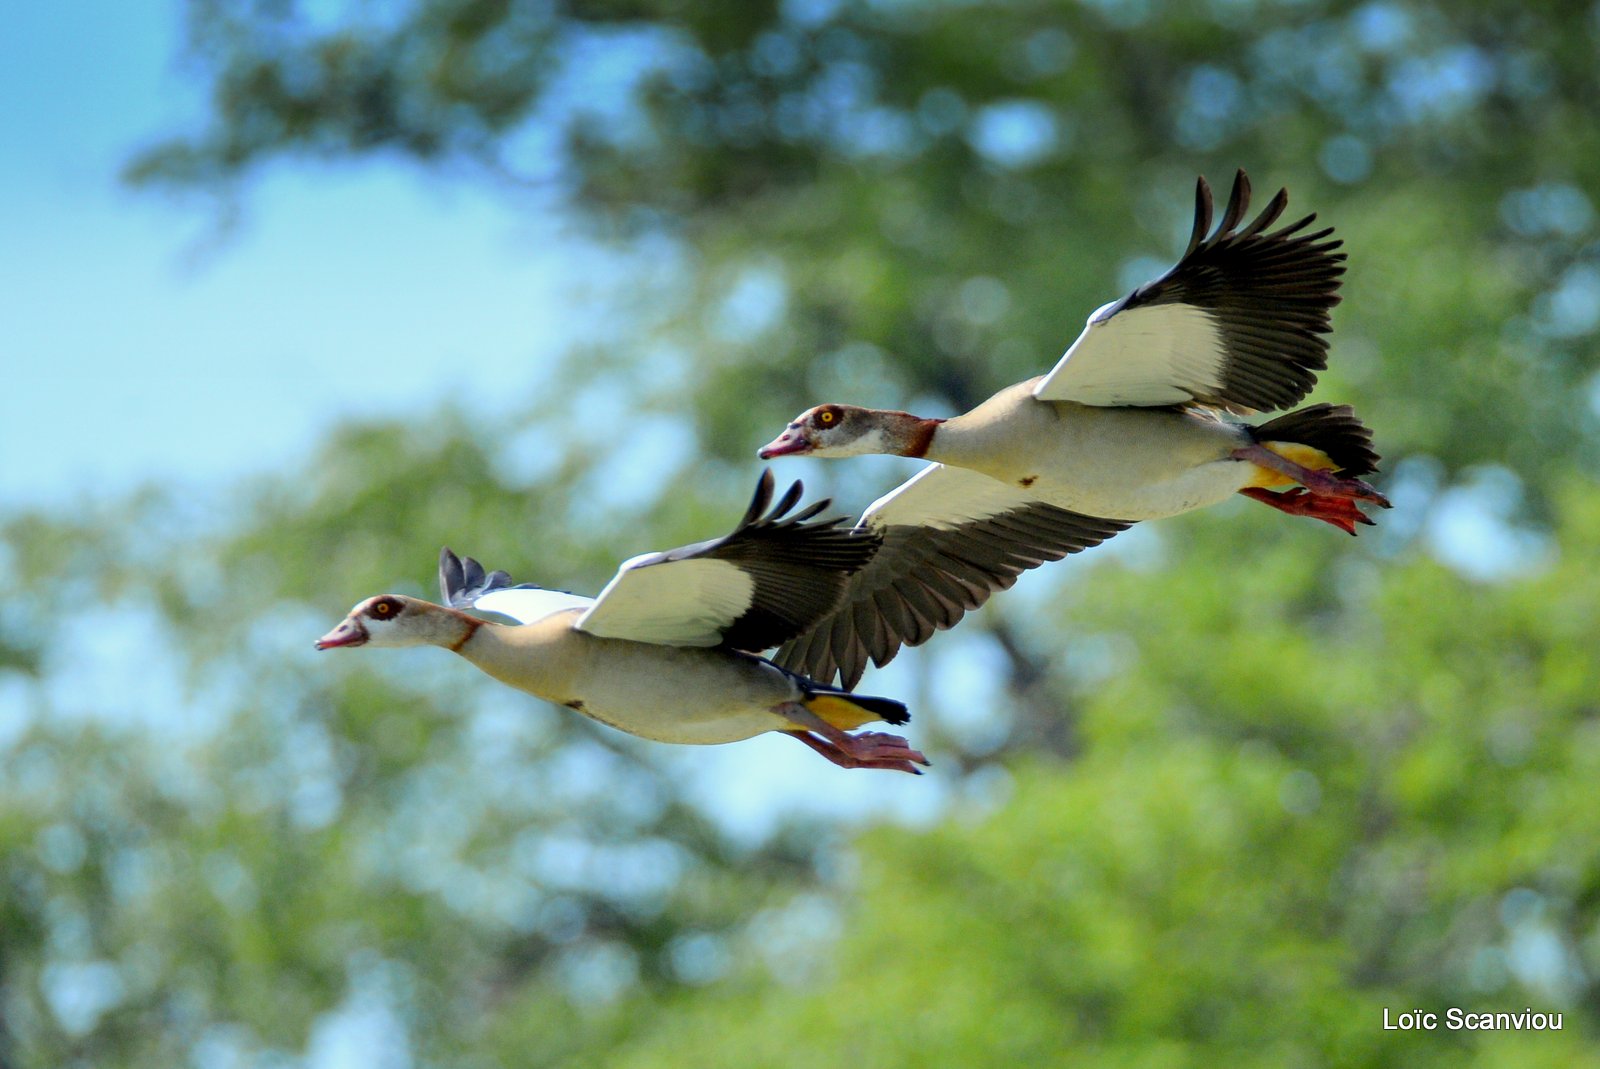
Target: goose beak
348, 633
789, 443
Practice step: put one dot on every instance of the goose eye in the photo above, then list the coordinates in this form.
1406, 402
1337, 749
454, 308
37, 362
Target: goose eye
826, 417
383, 609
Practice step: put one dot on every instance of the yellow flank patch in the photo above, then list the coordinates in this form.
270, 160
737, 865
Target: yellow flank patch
1304, 455
842, 713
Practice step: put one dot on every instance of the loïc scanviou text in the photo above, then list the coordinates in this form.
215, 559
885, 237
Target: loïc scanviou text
1456, 1019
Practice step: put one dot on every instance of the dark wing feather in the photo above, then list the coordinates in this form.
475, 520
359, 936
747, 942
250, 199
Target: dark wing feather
1271, 294
462, 580
463, 584
799, 566
925, 579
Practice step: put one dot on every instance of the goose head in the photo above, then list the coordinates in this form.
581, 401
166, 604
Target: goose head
393, 620
849, 431
829, 431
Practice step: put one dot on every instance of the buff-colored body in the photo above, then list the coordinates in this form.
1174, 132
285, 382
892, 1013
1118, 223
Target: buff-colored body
1125, 463
665, 693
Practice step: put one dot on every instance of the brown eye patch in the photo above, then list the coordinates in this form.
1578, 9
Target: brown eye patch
827, 416
386, 609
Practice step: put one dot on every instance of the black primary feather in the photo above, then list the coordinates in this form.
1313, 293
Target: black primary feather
1334, 429
1271, 295
925, 579
462, 580
799, 566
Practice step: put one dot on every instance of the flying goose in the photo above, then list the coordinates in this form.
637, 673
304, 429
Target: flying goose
668, 649
1130, 425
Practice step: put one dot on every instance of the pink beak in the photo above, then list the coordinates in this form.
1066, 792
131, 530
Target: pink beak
789, 442
348, 633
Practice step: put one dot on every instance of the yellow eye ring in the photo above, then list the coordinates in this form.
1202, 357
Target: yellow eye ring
825, 417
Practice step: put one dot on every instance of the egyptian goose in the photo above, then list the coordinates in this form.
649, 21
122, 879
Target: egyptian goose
1128, 426
668, 649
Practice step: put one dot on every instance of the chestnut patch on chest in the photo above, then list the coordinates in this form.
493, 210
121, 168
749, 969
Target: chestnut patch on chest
575, 705
1027, 481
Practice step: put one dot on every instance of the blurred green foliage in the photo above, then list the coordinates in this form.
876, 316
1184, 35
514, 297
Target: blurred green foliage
1220, 791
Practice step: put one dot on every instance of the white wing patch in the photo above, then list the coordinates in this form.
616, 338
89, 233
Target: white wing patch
527, 605
1159, 354
945, 497
670, 602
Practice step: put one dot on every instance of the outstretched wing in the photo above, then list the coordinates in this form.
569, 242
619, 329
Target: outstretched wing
951, 538
465, 585
769, 580
1239, 322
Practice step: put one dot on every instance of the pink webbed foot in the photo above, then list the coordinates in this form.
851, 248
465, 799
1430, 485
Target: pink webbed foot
1320, 483
1321, 495
869, 749
1339, 511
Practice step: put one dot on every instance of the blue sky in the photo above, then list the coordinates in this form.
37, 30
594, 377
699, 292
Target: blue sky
139, 343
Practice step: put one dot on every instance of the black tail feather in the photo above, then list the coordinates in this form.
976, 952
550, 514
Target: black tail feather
886, 709
1334, 429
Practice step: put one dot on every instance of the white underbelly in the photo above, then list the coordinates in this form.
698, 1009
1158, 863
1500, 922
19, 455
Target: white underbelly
1117, 463
697, 697
1178, 492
